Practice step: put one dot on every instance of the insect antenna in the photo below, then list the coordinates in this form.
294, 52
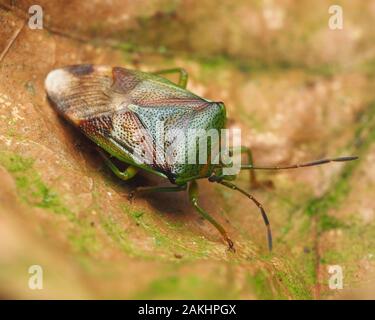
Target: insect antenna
299, 165
257, 203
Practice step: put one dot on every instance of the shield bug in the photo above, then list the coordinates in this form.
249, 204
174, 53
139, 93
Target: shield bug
120, 110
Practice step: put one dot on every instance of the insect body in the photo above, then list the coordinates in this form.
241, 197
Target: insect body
120, 109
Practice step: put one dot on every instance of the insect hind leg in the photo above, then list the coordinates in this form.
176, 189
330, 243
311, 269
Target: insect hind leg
129, 172
138, 190
182, 82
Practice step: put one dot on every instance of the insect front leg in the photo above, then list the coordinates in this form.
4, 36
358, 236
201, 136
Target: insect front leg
254, 182
182, 82
193, 197
129, 173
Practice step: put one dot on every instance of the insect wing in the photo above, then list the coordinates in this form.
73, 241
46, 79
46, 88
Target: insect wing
89, 97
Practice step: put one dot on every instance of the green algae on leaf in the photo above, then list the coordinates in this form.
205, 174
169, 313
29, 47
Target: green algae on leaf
31, 188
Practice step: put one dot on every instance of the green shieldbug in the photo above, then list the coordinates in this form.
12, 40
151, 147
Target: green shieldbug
118, 109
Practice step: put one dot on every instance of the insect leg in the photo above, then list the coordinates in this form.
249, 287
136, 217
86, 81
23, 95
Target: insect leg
193, 197
254, 183
257, 203
182, 82
129, 173
155, 189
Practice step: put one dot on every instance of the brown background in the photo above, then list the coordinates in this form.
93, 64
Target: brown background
298, 90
